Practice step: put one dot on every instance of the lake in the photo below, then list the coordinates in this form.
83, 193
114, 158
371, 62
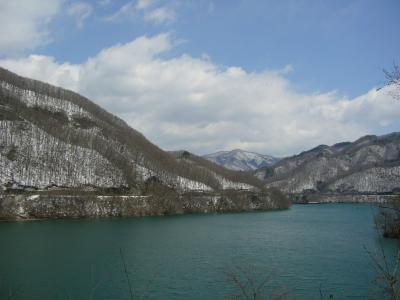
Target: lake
303, 250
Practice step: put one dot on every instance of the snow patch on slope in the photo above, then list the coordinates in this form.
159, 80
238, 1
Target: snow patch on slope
228, 184
33, 99
372, 180
42, 160
183, 184
191, 185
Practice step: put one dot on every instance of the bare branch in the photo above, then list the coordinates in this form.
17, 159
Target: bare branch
127, 275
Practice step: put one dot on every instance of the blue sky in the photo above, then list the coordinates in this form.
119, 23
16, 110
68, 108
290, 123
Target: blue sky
333, 45
325, 54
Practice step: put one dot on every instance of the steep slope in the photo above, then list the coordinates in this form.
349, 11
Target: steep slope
371, 164
241, 160
54, 139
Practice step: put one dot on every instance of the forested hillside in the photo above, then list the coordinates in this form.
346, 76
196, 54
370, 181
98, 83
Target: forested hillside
369, 165
52, 138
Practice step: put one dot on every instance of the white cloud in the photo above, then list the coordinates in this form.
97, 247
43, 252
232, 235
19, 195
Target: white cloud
80, 11
128, 10
45, 68
24, 23
144, 9
160, 15
143, 4
192, 103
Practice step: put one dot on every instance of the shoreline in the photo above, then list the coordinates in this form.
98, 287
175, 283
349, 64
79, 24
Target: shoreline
34, 207
340, 198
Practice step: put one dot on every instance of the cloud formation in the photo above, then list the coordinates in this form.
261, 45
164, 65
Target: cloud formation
24, 23
192, 103
162, 14
143, 4
80, 11
145, 9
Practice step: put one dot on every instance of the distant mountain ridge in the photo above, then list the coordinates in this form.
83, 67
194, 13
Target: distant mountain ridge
369, 165
241, 160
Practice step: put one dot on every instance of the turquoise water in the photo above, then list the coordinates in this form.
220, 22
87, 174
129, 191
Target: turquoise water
302, 250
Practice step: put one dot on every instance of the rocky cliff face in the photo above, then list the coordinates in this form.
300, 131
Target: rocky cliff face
54, 139
368, 165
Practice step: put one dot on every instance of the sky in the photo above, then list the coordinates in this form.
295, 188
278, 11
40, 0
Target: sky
274, 77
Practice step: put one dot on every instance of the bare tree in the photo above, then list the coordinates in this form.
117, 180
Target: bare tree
387, 278
388, 218
392, 78
253, 284
127, 275
387, 273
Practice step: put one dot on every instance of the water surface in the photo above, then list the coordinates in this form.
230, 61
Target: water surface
302, 250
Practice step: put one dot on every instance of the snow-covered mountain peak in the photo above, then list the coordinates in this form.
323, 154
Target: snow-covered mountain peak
241, 160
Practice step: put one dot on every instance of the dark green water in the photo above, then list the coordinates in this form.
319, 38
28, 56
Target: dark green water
185, 257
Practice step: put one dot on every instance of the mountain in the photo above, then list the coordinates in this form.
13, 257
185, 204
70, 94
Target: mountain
241, 160
369, 165
62, 155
